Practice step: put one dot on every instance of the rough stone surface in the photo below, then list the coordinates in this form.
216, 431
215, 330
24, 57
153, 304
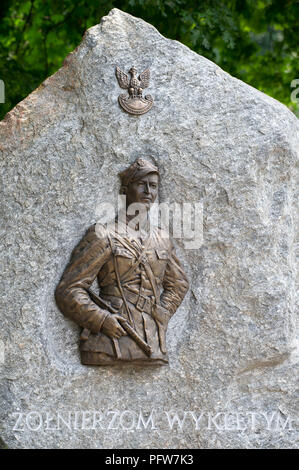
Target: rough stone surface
232, 343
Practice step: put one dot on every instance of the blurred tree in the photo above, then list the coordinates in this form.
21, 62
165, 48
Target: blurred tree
254, 40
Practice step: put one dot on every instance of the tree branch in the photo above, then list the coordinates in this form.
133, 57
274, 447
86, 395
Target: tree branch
24, 27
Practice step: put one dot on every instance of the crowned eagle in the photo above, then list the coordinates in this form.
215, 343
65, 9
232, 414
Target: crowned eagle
134, 85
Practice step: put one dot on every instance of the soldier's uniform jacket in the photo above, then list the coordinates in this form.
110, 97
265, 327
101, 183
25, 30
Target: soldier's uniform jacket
152, 281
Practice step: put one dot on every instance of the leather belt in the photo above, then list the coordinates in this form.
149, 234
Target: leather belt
142, 302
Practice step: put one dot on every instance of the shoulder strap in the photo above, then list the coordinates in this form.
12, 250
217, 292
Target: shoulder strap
135, 265
130, 318
153, 282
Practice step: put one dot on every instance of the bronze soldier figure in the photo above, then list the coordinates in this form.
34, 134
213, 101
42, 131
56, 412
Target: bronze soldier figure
141, 282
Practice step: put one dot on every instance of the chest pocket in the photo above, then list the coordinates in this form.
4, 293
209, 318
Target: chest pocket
124, 259
160, 263
123, 252
162, 255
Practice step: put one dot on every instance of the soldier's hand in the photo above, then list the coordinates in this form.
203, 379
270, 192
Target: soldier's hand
112, 328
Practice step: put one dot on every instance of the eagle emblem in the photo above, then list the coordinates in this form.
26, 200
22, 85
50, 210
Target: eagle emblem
134, 103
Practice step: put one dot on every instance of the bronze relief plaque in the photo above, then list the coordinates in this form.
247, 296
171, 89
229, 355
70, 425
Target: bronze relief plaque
140, 279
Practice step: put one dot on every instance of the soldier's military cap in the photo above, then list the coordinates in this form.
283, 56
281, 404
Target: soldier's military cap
137, 170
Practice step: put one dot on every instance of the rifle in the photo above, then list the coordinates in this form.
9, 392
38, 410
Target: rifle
125, 325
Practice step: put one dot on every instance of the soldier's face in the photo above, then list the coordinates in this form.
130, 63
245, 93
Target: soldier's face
143, 191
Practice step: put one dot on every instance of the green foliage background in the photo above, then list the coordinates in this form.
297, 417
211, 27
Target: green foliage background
254, 40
